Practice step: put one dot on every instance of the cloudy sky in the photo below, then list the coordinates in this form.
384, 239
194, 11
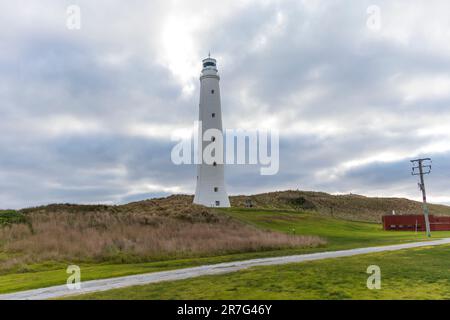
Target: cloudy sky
86, 115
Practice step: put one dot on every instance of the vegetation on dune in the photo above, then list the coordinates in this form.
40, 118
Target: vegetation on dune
8, 217
37, 244
407, 274
349, 206
338, 233
151, 230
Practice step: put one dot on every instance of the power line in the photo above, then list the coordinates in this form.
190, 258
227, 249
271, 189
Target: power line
420, 168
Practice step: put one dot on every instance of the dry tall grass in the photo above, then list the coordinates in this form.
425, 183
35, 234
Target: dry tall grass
144, 231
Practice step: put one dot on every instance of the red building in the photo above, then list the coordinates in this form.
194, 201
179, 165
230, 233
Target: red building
414, 222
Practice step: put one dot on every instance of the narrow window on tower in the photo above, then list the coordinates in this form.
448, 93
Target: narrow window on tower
212, 91
213, 139
216, 189
214, 163
213, 115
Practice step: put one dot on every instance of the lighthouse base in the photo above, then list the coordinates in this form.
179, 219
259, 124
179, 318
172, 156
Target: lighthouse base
211, 199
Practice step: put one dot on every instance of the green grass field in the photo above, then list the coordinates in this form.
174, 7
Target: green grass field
340, 234
408, 274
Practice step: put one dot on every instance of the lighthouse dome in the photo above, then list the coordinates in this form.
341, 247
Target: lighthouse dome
209, 63
209, 68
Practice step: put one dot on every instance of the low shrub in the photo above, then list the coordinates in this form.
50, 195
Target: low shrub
8, 217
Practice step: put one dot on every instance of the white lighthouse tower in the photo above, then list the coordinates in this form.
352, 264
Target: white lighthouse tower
210, 190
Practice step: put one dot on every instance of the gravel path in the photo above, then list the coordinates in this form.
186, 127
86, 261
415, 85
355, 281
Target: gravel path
121, 282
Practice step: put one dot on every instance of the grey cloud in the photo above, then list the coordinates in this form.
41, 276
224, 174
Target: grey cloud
110, 74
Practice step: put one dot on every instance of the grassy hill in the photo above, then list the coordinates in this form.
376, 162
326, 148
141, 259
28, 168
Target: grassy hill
350, 207
151, 230
37, 244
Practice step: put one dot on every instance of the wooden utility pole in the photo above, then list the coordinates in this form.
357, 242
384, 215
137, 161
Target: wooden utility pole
420, 169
